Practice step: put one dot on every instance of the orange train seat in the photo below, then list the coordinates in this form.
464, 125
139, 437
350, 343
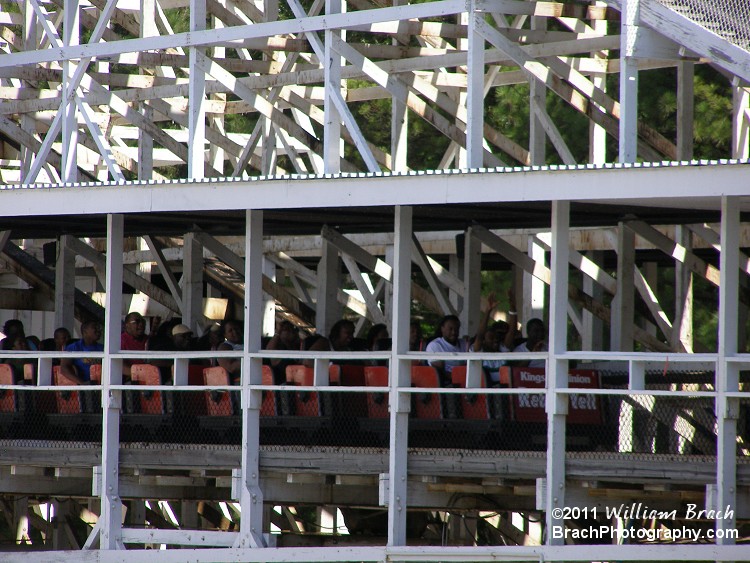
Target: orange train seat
426, 405
218, 403
68, 402
7, 396
305, 403
377, 403
150, 401
474, 406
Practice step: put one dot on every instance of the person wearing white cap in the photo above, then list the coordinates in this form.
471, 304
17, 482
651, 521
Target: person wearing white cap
182, 338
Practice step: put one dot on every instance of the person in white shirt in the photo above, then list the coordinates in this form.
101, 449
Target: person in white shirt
536, 334
448, 341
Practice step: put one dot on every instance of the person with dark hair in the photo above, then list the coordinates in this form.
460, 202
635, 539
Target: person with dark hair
233, 340
16, 343
448, 340
133, 338
285, 338
340, 338
14, 328
61, 338
536, 333
416, 339
376, 333
79, 369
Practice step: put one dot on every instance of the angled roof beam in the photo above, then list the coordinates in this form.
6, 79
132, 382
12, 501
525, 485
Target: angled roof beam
129, 277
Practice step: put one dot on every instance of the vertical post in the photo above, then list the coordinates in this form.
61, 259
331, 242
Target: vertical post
332, 129
388, 292
28, 123
71, 36
65, 284
111, 509
269, 303
192, 281
593, 327
327, 308
685, 110
538, 98
682, 328
251, 496
740, 127
146, 141
557, 368
475, 93
597, 133
197, 96
727, 377
400, 376
533, 288
623, 311
472, 284
456, 267
399, 116
629, 81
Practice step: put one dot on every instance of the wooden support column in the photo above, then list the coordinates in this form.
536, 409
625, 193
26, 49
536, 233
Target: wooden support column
332, 127
250, 494
192, 281
593, 327
399, 117
400, 376
628, 132
475, 93
597, 133
269, 303
71, 36
197, 96
727, 381
623, 310
682, 328
146, 141
537, 99
470, 312
456, 267
327, 309
557, 368
727, 377
533, 287
111, 510
65, 284
28, 123
685, 109
21, 524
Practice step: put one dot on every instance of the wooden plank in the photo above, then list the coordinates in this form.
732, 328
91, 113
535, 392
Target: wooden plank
130, 277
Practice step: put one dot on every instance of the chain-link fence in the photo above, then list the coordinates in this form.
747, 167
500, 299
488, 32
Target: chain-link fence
728, 18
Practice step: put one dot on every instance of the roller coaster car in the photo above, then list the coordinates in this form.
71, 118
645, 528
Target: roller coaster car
585, 421
77, 413
154, 417
11, 418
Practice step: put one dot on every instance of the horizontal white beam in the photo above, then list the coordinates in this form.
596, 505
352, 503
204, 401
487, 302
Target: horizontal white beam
665, 552
700, 186
226, 35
